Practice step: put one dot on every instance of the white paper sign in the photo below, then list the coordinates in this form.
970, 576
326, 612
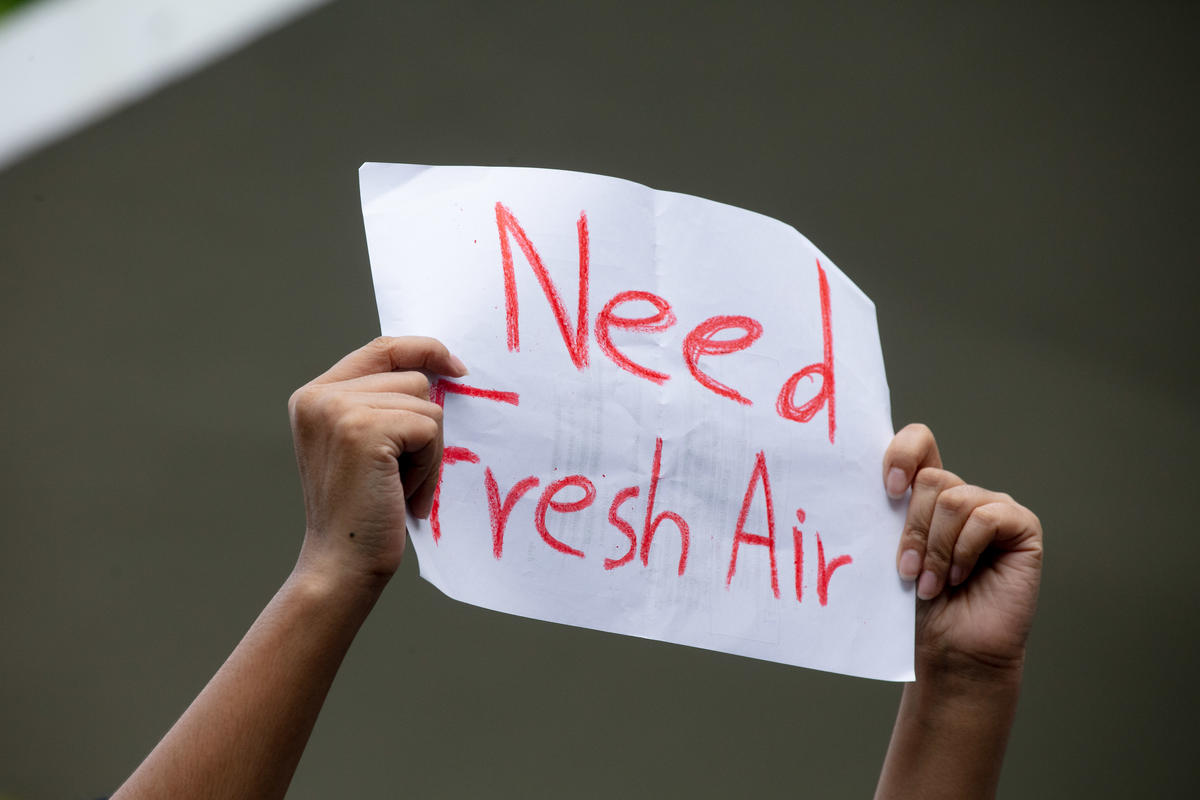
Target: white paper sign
674, 422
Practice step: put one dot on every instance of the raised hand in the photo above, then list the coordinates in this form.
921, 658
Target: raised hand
976, 556
369, 445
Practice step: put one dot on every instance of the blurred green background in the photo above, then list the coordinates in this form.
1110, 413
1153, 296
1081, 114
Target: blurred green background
9, 5
1015, 187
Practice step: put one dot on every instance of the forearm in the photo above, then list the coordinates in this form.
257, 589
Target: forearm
950, 736
244, 734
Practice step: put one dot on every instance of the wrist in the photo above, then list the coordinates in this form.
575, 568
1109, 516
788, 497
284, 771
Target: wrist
961, 695
959, 701
950, 735
333, 576
955, 672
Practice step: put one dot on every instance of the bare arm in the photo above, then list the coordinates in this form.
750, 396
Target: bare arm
949, 738
368, 443
243, 735
976, 557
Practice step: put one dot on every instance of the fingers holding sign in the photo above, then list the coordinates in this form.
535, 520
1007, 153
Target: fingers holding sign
391, 353
950, 513
975, 555
369, 445
913, 452
912, 449
950, 524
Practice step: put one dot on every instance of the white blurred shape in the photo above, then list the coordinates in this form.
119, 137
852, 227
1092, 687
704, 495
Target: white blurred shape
66, 63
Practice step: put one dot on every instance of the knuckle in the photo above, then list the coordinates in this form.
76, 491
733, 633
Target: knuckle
302, 405
1037, 542
1033, 528
919, 430
928, 478
335, 405
937, 555
432, 351
988, 516
935, 479
428, 428
957, 500
915, 530
353, 426
421, 385
294, 402
418, 431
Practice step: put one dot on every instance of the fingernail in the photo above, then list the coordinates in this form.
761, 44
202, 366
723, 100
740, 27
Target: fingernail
896, 483
956, 575
457, 363
910, 564
927, 588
